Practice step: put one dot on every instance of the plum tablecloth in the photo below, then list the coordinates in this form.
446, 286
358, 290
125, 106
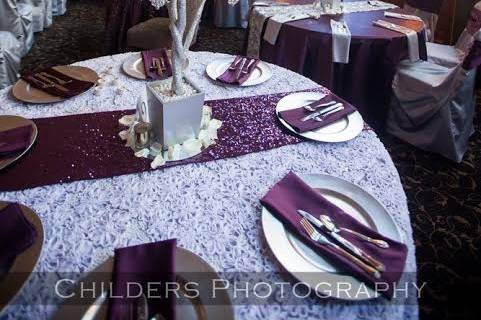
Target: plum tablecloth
212, 208
304, 46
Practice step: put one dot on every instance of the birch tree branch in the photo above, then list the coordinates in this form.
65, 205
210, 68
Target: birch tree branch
193, 26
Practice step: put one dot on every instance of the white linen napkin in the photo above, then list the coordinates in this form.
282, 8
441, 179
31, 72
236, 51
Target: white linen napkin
275, 22
341, 41
401, 16
412, 36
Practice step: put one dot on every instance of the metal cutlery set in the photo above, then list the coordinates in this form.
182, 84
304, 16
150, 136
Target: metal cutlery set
159, 66
321, 111
46, 80
240, 67
319, 228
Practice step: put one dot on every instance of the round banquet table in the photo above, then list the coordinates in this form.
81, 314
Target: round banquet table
305, 46
212, 208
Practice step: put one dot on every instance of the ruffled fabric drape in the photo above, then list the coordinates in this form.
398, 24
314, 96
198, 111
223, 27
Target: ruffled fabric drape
16, 17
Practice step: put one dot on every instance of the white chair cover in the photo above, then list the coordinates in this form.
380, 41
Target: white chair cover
59, 7
10, 55
434, 102
16, 18
42, 14
430, 20
231, 16
451, 56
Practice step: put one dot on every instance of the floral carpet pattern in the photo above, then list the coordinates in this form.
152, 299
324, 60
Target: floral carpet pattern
444, 198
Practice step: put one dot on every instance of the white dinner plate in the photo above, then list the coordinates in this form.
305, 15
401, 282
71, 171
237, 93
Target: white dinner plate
261, 73
189, 268
308, 266
345, 129
134, 67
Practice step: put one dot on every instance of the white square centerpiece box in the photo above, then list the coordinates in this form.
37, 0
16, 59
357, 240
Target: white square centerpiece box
174, 118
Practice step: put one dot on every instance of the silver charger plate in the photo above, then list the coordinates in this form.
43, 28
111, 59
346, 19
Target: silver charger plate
308, 266
261, 73
343, 130
189, 268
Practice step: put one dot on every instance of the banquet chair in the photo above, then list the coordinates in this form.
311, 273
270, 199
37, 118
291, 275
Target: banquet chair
433, 105
450, 56
16, 17
42, 14
155, 33
10, 55
428, 11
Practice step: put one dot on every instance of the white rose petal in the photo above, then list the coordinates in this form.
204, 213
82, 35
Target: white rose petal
212, 133
205, 138
124, 134
157, 162
144, 153
174, 152
214, 123
127, 120
192, 146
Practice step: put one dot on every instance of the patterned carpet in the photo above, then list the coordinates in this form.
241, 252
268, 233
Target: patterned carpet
444, 197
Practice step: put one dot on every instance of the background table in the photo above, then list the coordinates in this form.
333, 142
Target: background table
304, 46
212, 208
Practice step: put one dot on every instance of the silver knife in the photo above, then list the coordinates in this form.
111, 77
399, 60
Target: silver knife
142, 308
321, 112
239, 70
94, 309
345, 243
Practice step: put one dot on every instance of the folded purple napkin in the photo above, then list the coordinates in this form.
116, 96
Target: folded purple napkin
15, 140
293, 117
292, 194
150, 72
72, 88
143, 264
230, 75
16, 235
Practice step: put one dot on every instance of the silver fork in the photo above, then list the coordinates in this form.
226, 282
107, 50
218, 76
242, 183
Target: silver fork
316, 236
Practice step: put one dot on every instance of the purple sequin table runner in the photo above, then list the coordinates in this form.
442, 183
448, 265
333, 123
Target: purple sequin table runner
87, 146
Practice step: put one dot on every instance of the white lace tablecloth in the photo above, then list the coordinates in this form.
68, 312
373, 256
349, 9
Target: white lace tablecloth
212, 208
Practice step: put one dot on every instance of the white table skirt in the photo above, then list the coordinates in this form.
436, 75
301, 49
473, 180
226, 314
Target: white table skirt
209, 207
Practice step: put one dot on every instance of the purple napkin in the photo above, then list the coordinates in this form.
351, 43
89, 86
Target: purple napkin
229, 76
143, 264
291, 194
293, 117
147, 57
16, 235
73, 88
15, 140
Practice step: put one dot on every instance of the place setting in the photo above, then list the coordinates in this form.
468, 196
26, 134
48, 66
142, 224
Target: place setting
155, 64
319, 116
160, 263
21, 236
325, 229
239, 71
54, 84
17, 136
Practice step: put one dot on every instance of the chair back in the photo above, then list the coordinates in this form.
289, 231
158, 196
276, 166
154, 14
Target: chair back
431, 6
470, 40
